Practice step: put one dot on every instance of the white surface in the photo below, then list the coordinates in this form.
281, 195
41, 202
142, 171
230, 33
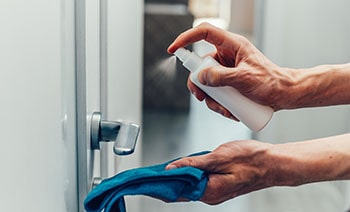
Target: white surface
125, 67
318, 34
37, 97
93, 88
120, 89
37, 88
125, 36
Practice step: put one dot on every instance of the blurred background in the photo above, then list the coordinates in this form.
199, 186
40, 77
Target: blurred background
295, 34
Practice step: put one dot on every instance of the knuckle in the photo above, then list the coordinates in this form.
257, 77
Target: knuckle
211, 76
205, 25
182, 35
190, 162
244, 41
221, 76
184, 162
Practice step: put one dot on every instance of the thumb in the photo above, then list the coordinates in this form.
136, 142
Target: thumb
200, 162
216, 76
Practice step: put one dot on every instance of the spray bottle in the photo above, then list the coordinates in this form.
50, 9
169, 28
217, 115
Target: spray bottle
252, 114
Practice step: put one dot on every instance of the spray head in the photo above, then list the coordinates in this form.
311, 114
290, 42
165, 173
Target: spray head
190, 60
182, 54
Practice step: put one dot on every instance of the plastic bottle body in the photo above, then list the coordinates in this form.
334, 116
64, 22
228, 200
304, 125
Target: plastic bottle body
252, 114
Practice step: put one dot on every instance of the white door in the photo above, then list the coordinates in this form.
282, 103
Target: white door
48, 91
38, 154
108, 82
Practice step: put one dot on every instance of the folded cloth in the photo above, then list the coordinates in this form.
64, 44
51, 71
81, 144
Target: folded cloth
154, 181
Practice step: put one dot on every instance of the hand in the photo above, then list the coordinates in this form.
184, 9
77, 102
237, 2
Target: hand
240, 167
234, 169
244, 67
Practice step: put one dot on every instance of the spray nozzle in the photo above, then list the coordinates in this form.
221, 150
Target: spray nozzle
190, 60
182, 54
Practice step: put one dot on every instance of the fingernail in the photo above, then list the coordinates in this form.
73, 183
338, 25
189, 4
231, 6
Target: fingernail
194, 94
234, 118
171, 167
222, 112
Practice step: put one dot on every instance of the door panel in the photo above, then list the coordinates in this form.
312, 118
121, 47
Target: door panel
88, 91
104, 84
37, 158
125, 37
124, 81
49, 86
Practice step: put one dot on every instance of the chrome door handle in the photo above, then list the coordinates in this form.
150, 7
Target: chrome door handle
123, 134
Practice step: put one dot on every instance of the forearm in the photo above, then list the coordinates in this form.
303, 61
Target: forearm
318, 86
310, 161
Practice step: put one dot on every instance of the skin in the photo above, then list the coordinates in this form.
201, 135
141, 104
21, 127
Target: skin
240, 167
245, 68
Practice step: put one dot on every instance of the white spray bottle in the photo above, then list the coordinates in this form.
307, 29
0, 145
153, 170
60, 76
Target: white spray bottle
252, 114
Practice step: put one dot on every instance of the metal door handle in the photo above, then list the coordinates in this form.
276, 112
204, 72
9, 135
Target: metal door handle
123, 134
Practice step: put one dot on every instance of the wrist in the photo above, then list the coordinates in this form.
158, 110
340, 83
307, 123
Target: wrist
310, 161
285, 88
318, 86
287, 167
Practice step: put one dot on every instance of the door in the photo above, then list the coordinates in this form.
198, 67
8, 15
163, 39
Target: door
108, 77
50, 83
37, 90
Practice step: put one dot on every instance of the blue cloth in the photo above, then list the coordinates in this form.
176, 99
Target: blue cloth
154, 181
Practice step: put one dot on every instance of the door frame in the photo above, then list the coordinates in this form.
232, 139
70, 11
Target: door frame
81, 126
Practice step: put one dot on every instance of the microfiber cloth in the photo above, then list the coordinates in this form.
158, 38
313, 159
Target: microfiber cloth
154, 181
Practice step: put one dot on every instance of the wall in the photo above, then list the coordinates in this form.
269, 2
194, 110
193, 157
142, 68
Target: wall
242, 16
301, 34
296, 34
292, 37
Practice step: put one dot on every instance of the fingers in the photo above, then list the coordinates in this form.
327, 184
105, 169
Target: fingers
195, 34
203, 162
217, 76
204, 31
181, 199
213, 105
197, 92
200, 95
